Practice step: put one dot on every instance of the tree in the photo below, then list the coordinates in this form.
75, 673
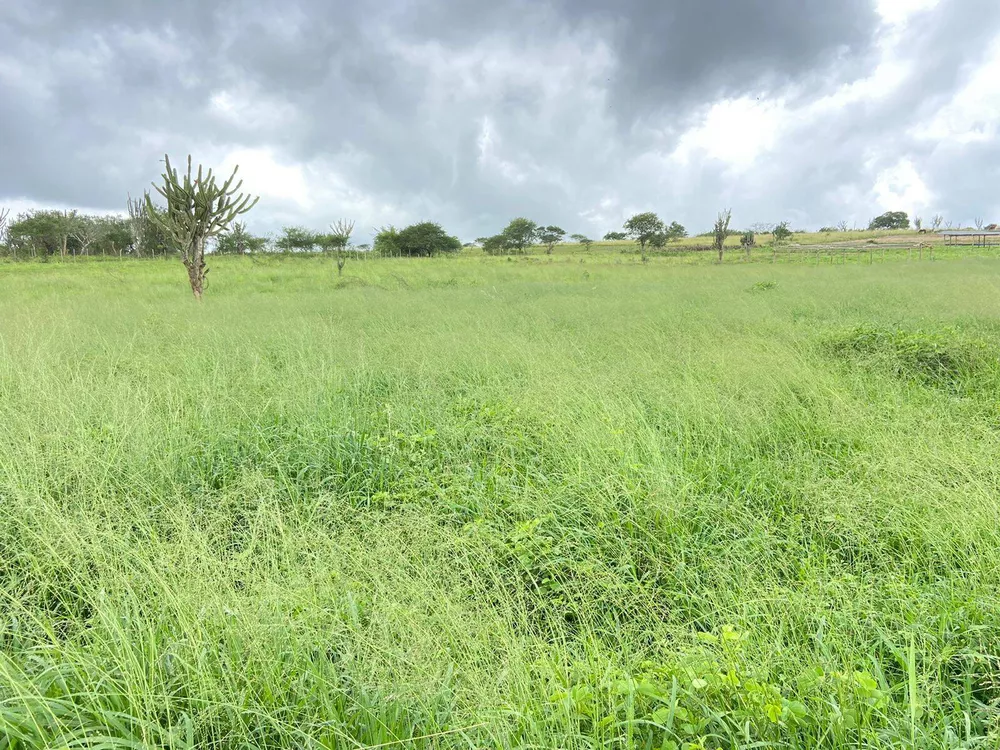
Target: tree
387, 241
583, 240
337, 241
41, 233
615, 236
148, 235
721, 230
238, 241
658, 241
781, 233
642, 228
936, 222
550, 236
297, 240
979, 223
494, 245
197, 210
520, 234
748, 240
676, 231
118, 236
87, 231
918, 223
4, 215
426, 239
842, 226
890, 220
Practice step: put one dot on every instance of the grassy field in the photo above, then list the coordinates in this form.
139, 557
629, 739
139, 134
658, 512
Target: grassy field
474, 502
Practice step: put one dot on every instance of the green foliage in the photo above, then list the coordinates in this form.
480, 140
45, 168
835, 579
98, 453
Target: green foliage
615, 236
781, 233
676, 231
583, 240
550, 236
425, 239
519, 234
297, 240
644, 227
517, 237
42, 233
890, 220
748, 239
239, 241
721, 231
387, 242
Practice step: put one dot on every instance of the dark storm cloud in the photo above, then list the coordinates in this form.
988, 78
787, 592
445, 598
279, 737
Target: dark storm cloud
471, 112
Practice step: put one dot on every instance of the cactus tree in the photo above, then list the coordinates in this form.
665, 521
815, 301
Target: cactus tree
197, 210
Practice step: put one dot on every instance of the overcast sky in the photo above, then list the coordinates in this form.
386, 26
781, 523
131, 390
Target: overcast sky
575, 112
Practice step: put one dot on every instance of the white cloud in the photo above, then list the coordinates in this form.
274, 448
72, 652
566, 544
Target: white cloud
901, 188
899, 11
973, 113
734, 131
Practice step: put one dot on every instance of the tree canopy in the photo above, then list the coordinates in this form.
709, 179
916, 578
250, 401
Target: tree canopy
891, 220
425, 239
550, 236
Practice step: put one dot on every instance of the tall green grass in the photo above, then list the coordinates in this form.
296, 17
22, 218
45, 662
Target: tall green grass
490, 503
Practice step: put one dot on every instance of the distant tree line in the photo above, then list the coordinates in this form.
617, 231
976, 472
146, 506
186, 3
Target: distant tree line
44, 234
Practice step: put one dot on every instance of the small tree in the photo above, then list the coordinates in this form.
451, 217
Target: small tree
583, 240
918, 223
494, 245
239, 241
936, 222
676, 231
338, 240
781, 233
550, 236
116, 235
979, 223
721, 230
642, 228
197, 210
4, 215
147, 234
520, 234
842, 226
87, 231
890, 220
387, 241
615, 236
748, 240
